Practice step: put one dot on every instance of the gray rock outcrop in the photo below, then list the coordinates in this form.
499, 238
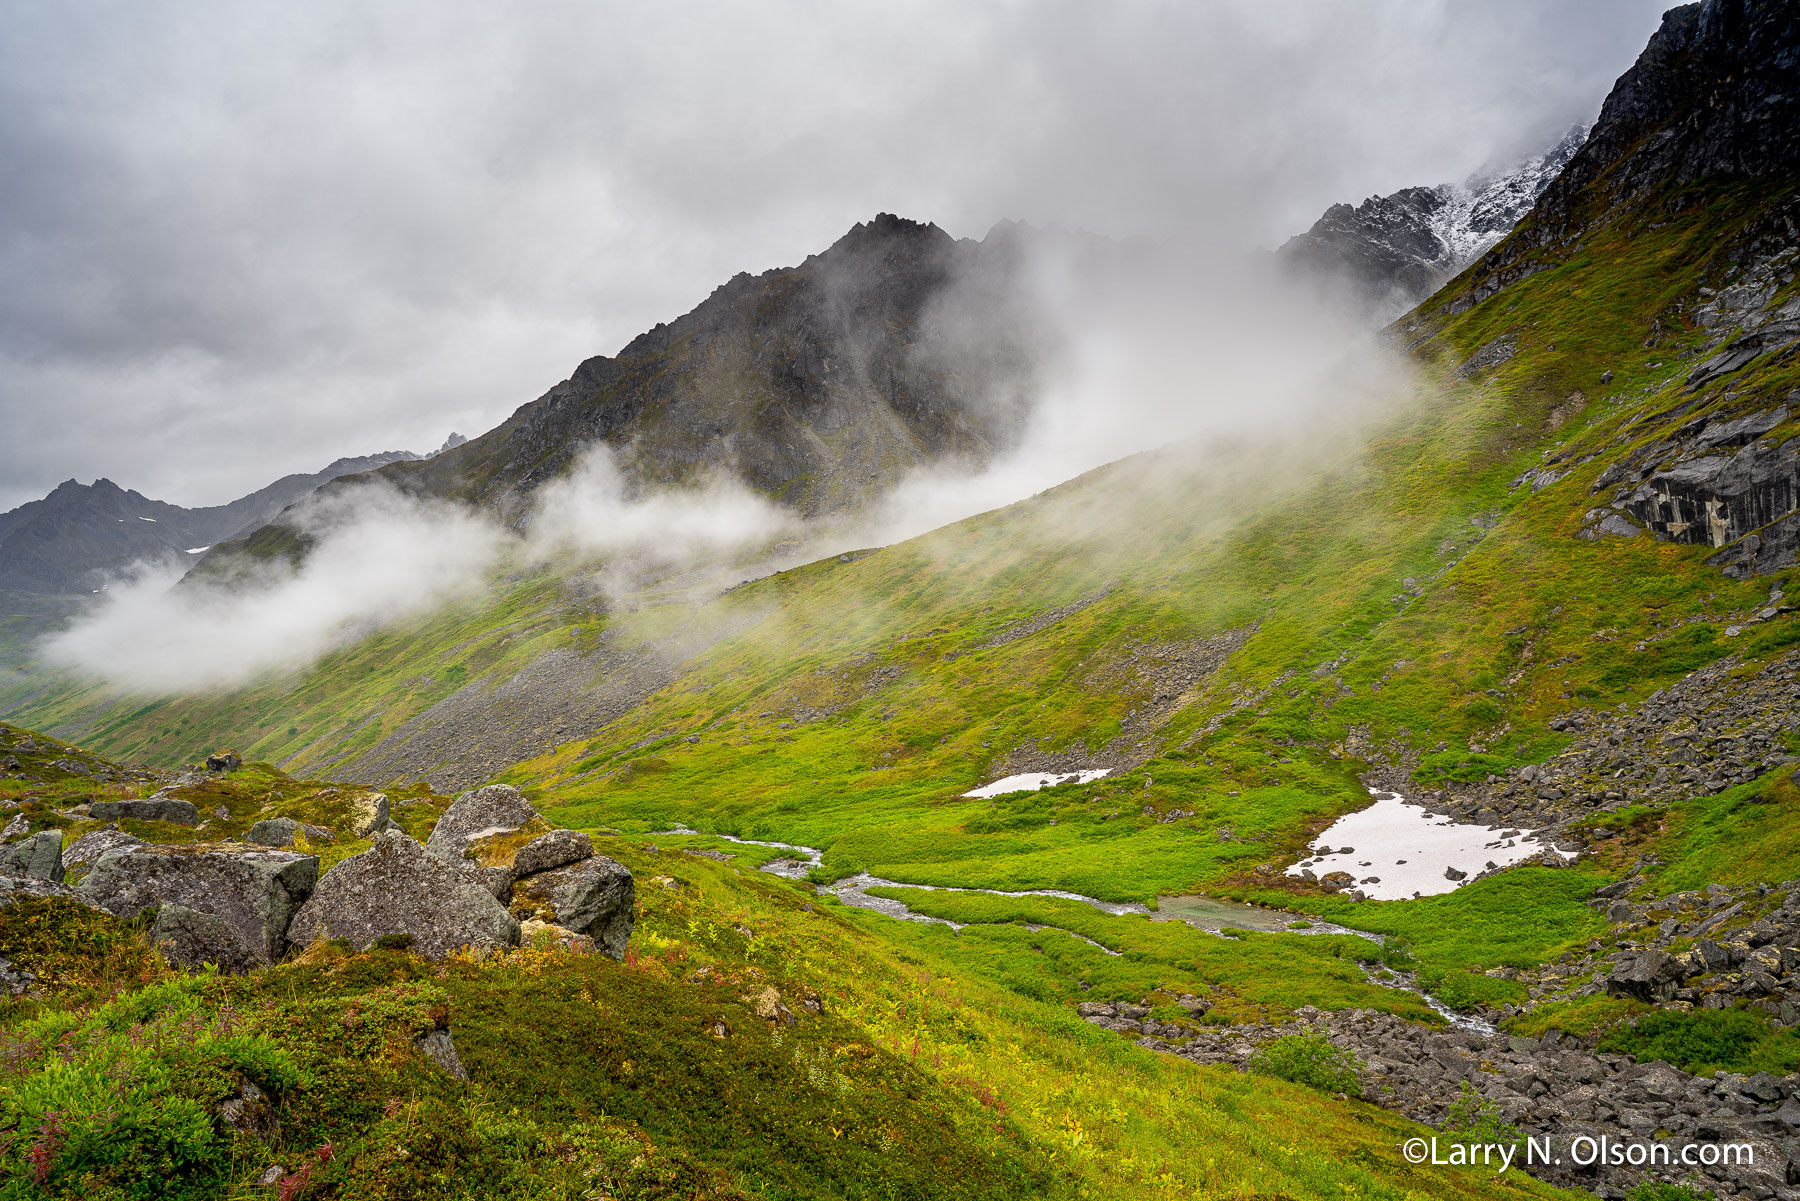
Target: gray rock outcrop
559, 848
596, 897
153, 809
253, 891
39, 856
281, 831
85, 851
395, 887
478, 814
438, 1049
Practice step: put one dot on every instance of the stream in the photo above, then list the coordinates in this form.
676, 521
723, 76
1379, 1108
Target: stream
1202, 912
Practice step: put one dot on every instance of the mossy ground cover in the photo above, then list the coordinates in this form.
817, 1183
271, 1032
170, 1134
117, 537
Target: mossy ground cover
657, 1077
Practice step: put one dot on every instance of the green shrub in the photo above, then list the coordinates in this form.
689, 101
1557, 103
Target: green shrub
1310, 1059
1661, 1190
1731, 1040
1475, 1119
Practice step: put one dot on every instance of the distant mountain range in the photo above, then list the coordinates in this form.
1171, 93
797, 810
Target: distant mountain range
1388, 253
64, 543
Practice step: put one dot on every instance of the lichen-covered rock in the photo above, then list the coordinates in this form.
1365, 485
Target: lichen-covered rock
39, 856
596, 897
395, 887
559, 848
223, 761
85, 851
437, 1047
370, 815
18, 888
191, 939
154, 809
252, 890
479, 814
280, 832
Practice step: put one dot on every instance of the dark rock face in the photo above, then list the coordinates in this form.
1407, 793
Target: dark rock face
1715, 94
55, 545
559, 848
155, 809
596, 897
253, 892
395, 887
192, 939
39, 856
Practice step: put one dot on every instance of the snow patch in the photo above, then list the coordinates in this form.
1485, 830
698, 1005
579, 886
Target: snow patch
1031, 781
1397, 850
198, 550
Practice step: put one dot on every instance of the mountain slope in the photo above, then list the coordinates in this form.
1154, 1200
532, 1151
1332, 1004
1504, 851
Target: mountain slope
1390, 252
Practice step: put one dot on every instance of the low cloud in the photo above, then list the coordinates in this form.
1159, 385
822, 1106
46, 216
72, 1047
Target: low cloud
377, 558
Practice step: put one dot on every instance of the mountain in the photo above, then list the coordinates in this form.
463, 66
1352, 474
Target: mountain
1544, 593
63, 543
820, 385
1390, 252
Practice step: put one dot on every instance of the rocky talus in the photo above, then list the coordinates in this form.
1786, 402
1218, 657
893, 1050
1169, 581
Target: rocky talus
1554, 1087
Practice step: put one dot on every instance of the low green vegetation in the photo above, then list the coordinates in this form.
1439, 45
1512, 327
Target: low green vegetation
1312, 1060
1706, 1040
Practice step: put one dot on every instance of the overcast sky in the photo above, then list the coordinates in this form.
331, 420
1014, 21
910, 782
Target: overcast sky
243, 239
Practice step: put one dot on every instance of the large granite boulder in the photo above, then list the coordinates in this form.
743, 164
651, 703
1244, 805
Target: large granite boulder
39, 856
154, 809
559, 848
484, 829
478, 815
253, 891
595, 896
191, 939
86, 851
281, 831
395, 887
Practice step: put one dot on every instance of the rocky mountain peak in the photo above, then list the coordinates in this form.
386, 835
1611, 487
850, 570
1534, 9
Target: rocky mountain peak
1390, 252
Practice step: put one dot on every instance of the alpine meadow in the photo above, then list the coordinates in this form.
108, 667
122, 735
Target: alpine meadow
1082, 712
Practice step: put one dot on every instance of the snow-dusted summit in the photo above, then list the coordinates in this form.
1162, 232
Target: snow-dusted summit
1390, 252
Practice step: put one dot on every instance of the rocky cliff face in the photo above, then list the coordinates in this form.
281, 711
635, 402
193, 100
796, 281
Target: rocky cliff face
820, 385
1390, 252
1709, 114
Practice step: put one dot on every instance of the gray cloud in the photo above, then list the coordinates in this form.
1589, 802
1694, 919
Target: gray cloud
240, 240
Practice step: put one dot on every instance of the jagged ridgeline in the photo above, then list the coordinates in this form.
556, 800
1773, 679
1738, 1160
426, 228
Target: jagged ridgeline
1543, 587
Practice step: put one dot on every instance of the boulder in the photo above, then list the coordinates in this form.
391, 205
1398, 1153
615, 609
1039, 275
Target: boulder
253, 891
596, 897
371, 815
1649, 975
85, 851
155, 809
559, 848
191, 939
396, 887
477, 815
39, 856
223, 761
280, 832
19, 888
18, 827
